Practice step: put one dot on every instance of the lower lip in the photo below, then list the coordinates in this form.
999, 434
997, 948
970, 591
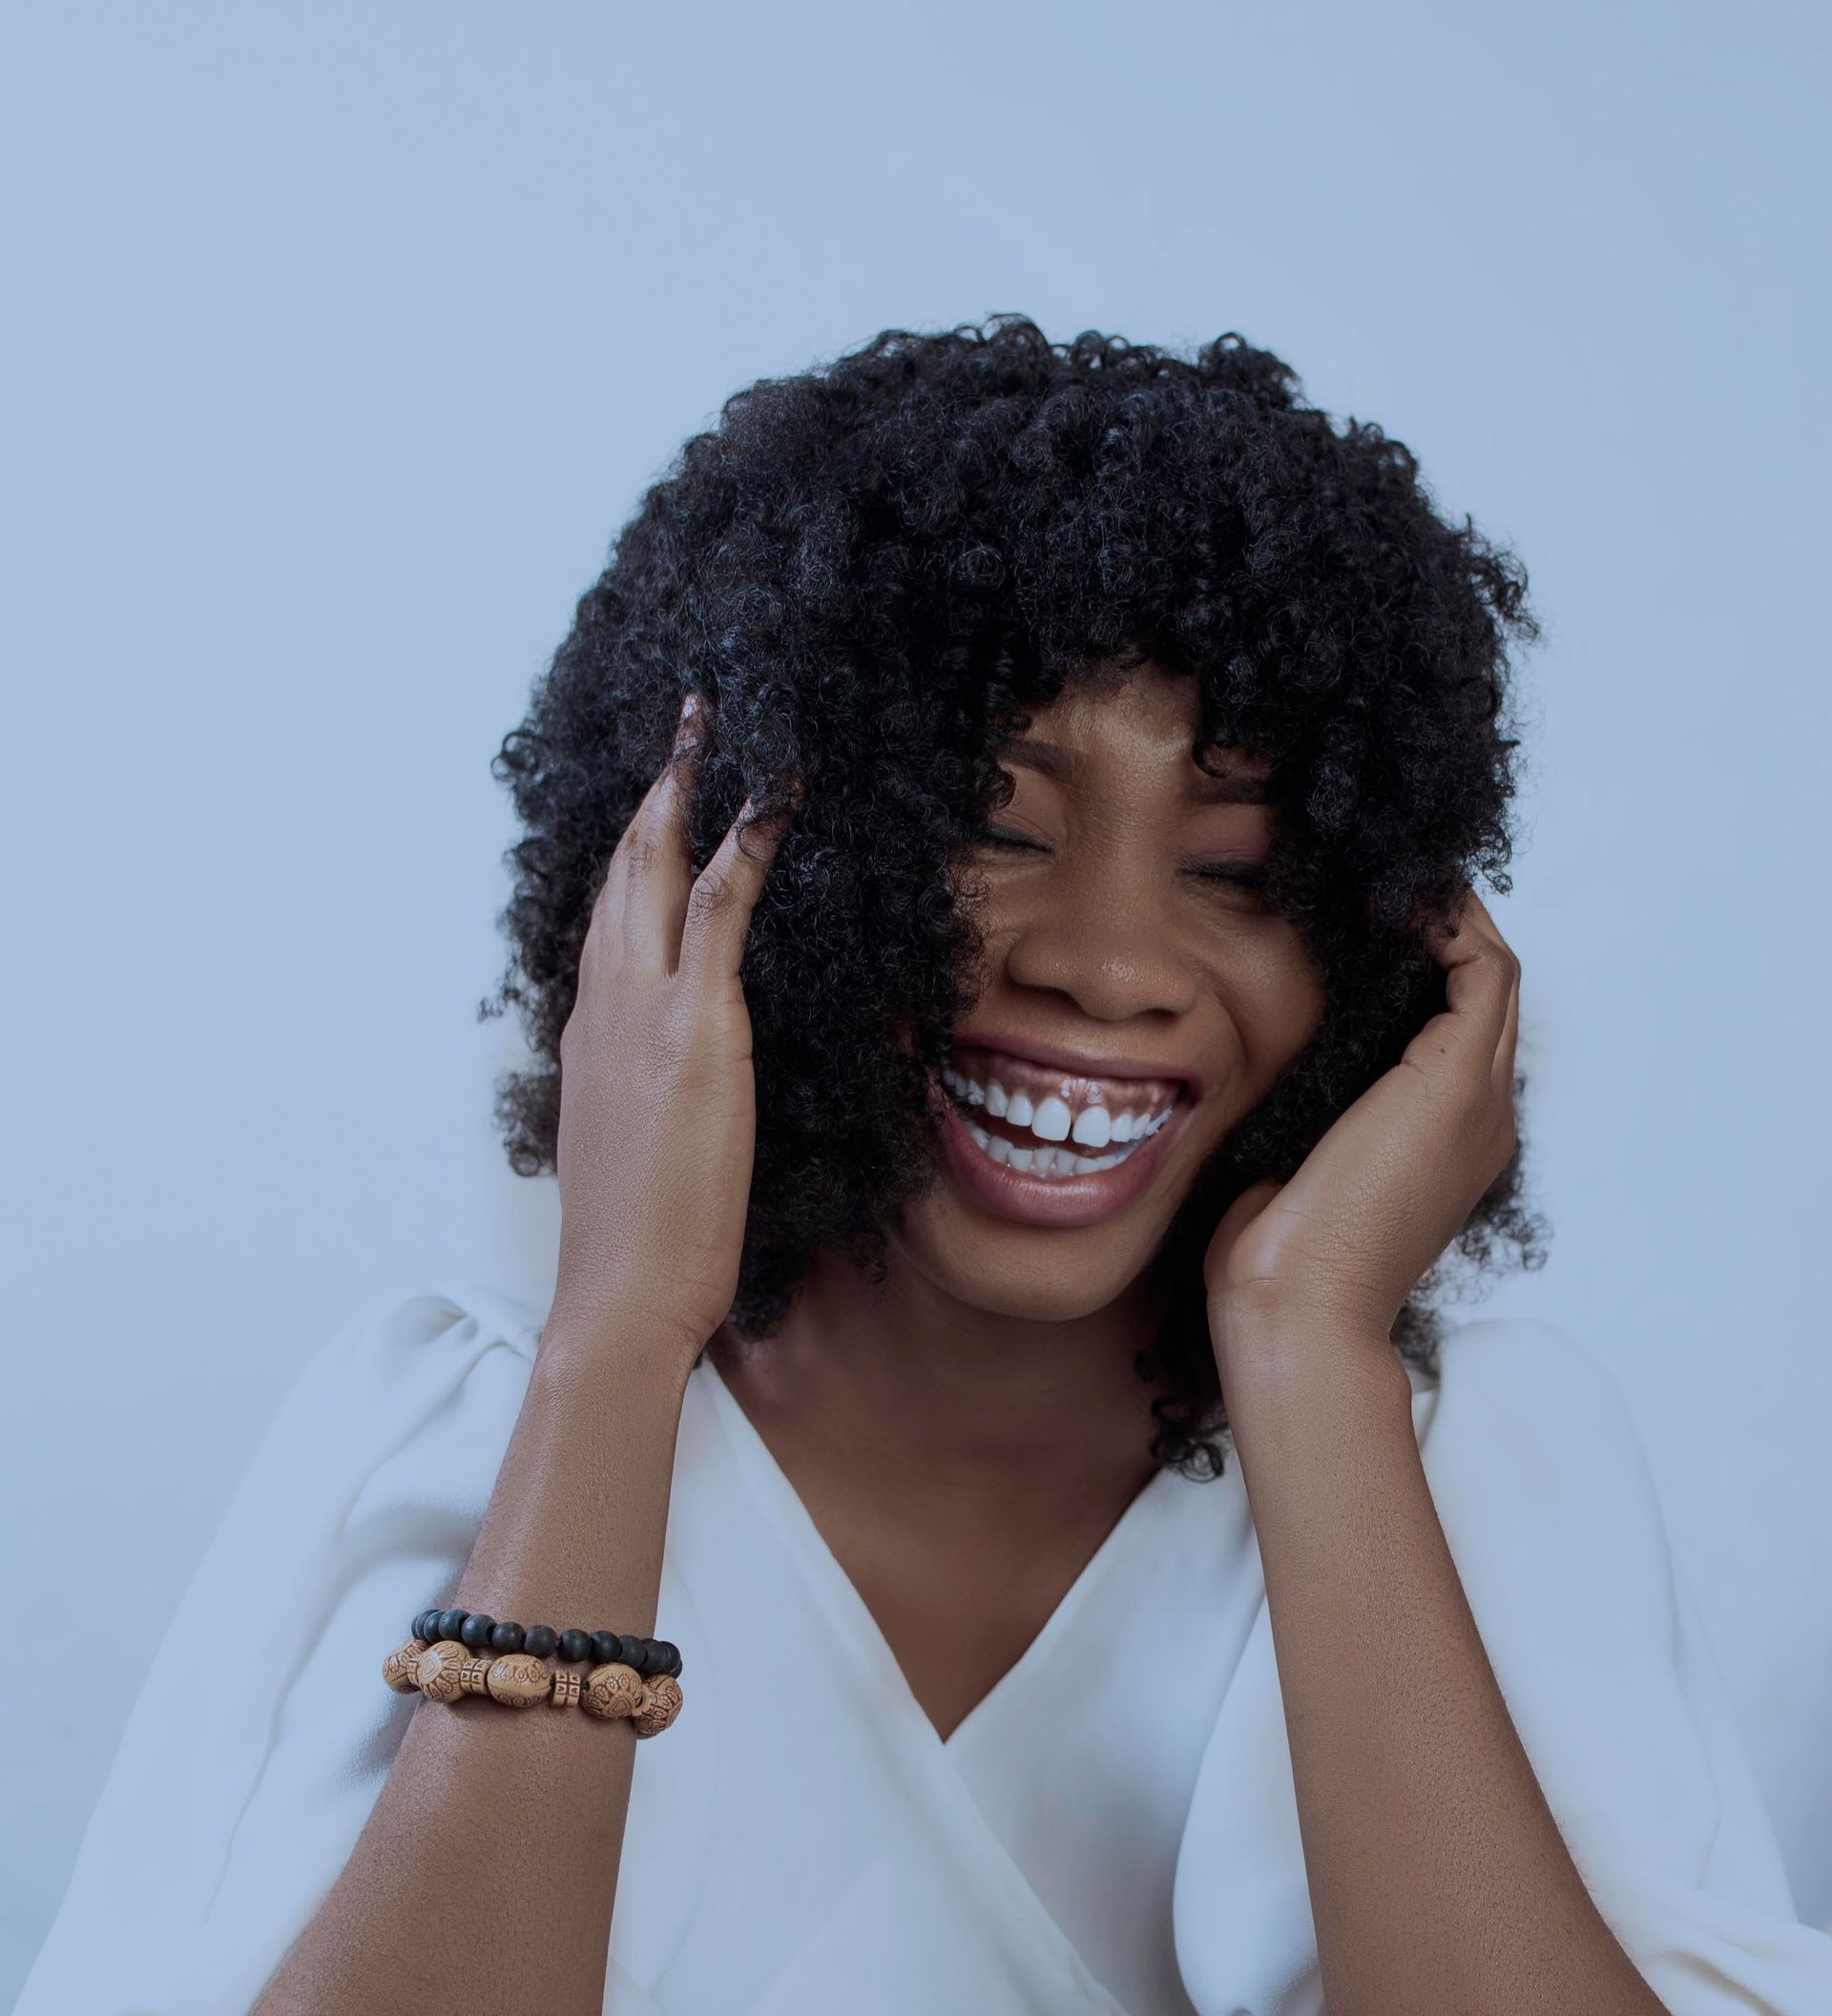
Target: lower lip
1049, 1201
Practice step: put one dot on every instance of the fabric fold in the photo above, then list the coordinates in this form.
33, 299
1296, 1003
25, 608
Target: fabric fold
1544, 1491
1098, 1838
236, 1796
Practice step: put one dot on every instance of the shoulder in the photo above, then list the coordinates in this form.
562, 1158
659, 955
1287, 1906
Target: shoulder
403, 1345
1525, 1419
413, 1395
412, 1373
1524, 1362
404, 1323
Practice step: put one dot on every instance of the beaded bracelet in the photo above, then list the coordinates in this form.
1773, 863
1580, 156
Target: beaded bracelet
611, 1691
480, 1633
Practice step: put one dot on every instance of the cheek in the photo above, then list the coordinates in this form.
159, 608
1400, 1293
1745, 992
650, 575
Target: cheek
1272, 990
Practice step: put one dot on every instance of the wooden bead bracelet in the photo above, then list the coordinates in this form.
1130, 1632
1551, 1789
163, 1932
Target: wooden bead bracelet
612, 1690
479, 1633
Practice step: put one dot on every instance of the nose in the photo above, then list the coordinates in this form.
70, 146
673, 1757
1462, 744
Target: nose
1106, 946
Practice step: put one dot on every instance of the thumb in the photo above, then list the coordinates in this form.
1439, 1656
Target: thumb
1235, 1220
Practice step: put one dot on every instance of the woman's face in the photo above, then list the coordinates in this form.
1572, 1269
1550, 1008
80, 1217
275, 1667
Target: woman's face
1139, 1003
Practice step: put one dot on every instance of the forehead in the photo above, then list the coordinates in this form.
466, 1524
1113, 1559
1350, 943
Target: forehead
1145, 720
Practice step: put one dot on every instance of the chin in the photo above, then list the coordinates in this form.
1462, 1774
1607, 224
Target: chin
1030, 1273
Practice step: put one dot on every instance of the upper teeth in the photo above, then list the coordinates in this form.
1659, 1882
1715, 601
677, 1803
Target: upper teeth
1094, 1126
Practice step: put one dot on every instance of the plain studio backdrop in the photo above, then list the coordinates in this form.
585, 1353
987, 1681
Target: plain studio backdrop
341, 342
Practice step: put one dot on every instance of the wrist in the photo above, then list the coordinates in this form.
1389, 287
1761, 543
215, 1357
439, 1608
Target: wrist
1281, 1342
634, 1350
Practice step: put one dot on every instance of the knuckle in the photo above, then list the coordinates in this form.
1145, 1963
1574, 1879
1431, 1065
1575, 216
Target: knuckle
578, 1015
1505, 1138
713, 895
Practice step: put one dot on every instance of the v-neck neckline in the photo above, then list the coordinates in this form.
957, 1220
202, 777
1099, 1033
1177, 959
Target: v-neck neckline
812, 1549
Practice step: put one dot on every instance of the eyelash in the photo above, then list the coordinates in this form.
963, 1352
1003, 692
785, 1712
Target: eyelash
1245, 875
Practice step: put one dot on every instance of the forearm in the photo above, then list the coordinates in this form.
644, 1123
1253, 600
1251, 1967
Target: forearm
490, 1856
1439, 1882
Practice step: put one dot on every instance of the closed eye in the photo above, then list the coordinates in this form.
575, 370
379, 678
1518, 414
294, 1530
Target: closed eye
1245, 874
1239, 873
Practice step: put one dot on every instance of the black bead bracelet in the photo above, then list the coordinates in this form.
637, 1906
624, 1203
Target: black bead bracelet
480, 1634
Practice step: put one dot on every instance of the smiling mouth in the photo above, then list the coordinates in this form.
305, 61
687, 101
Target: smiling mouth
1040, 1122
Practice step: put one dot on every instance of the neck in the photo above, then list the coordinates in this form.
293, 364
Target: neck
900, 1380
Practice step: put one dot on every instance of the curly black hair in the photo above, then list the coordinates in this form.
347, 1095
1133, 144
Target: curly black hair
874, 570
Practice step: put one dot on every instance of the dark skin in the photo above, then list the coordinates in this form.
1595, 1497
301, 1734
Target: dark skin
967, 1435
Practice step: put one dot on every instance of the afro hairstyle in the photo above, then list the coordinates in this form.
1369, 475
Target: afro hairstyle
873, 570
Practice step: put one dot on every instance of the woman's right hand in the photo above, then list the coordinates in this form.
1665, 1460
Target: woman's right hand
657, 1093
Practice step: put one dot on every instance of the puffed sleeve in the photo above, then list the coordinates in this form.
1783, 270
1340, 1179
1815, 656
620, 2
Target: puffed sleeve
262, 1731
1602, 1654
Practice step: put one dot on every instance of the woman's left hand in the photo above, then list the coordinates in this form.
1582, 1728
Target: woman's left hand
1341, 1245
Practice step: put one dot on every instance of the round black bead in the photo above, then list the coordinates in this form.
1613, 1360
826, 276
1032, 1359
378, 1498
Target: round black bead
476, 1631
449, 1623
540, 1639
606, 1645
671, 1659
506, 1637
576, 1645
421, 1622
632, 1652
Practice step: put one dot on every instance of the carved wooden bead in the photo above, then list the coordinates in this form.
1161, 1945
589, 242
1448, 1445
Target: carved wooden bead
518, 1679
473, 1676
401, 1669
660, 1705
439, 1669
612, 1690
568, 1690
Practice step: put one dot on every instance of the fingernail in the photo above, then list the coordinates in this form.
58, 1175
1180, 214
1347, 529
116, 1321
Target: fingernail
688, 705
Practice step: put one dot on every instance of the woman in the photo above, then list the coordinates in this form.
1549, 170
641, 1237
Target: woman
1018, 1072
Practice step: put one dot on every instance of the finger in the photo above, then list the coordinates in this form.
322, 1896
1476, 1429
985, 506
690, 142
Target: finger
623, 914
660, 875
1505, 962
724, 895
1509, 1041
1480, 971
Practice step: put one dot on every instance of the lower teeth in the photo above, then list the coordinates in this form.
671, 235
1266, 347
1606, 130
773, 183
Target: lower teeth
1045, 1161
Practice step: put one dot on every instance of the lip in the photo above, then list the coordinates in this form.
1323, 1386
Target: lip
1080, 1063
1061, 1201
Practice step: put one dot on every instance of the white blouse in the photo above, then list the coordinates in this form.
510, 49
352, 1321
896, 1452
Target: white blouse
1112, 1832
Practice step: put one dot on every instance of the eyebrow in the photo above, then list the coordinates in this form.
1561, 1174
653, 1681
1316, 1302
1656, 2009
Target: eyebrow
1030, 753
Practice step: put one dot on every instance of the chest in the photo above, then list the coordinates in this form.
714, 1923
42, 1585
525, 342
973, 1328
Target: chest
902, 1780
959, 1580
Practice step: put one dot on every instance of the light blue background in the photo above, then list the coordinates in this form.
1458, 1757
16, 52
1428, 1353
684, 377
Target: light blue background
341, 340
